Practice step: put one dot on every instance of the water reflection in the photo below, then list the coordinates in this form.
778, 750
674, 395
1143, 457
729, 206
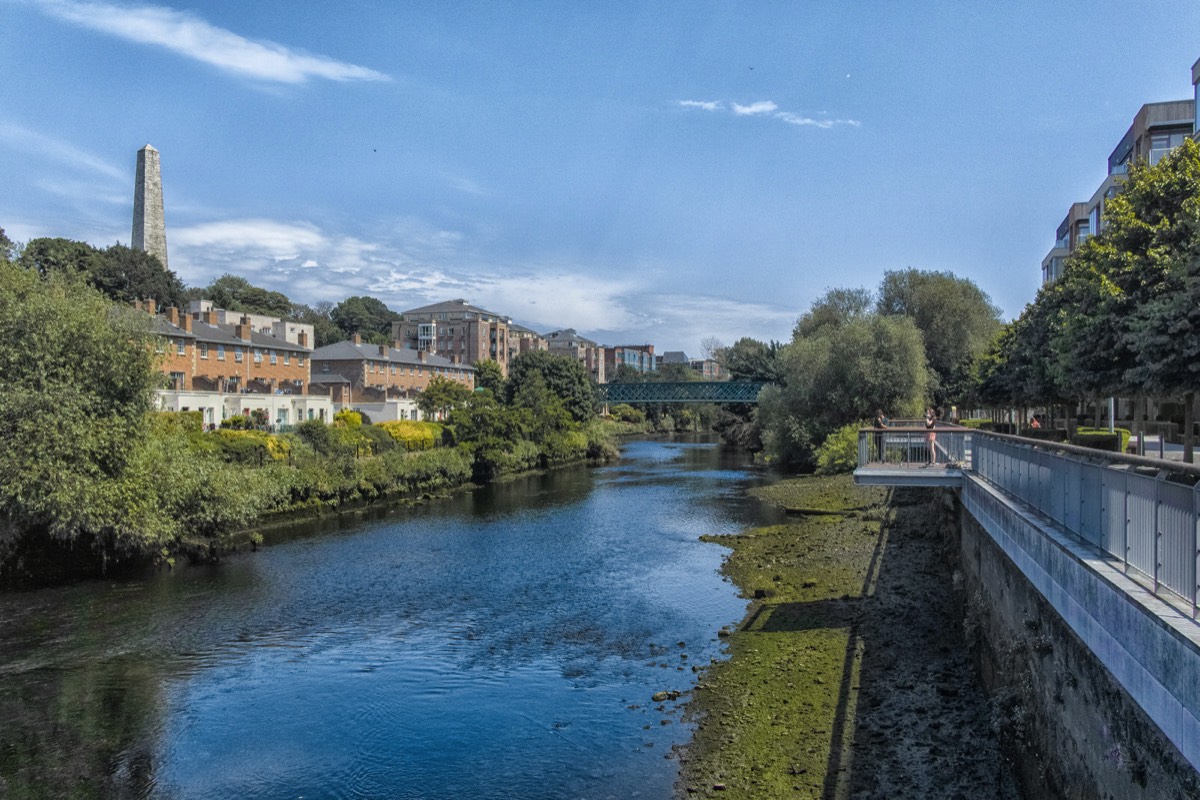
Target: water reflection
500, 643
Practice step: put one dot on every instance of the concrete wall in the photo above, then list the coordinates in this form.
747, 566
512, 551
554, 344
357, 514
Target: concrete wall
1095, 683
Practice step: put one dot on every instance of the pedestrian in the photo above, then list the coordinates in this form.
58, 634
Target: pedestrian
930, 422
881, 423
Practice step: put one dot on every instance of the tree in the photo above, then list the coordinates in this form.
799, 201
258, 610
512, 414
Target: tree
317, 315
235, 293
489, 375
76, 380
8, 248
121, 273
833, 309
367, 316
566, 377
441, 396
956, 318
751, 360
839, 376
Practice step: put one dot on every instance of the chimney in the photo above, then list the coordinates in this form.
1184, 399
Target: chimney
185, 322
242, 331
210, 317
302, 339
173, 316
397, 344
137, 305
421, 356
356, 339
383, 350
151, 307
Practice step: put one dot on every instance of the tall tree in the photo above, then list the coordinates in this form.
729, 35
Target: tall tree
364, 315
235, 293
7, 247
833, 309
956, 318
121, 273
490, 375
317, 315
566, 377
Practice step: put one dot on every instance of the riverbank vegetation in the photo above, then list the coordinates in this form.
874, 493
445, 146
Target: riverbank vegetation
94, 478
848, 676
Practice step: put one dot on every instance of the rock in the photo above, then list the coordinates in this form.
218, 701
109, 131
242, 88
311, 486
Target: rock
658, 697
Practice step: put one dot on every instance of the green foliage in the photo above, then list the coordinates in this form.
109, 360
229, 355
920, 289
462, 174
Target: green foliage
839, 452
834, 309
185, 422
324, 330
8, 248
565, 377
490, 375
627, 413
250, 446
76, 376
751, 360
1116, 440
842, 374
957, 321
364, 315
235, 293
413, 435
442, 396
121, 273
347, 418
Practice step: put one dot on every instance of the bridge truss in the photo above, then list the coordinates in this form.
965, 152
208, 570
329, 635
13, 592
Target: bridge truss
686, 392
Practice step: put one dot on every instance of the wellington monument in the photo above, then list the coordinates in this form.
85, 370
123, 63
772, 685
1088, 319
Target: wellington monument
149, 225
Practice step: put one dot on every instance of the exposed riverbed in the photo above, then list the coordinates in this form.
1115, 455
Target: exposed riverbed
504, 642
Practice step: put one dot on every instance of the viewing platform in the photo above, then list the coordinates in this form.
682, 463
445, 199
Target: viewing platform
908, 454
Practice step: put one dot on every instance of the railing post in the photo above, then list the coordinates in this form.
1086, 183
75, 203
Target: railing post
1125, 532
1158, 534
1196, 542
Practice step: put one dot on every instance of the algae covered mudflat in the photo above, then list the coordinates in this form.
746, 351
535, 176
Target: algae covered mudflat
847, 677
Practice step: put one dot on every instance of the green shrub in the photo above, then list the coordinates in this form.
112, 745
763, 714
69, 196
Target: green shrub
839, 452
250, 446
378, 440
236, 423
347, 419
627, 413
171, 422
316, 434
1102, 439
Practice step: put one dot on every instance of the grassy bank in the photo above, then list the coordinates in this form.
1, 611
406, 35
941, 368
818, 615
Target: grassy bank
853, 616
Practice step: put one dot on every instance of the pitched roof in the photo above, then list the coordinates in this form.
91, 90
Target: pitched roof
224, 334
569, 335
349, 351
675, 357
451, 305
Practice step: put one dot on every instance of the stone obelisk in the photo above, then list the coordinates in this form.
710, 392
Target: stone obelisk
149, 226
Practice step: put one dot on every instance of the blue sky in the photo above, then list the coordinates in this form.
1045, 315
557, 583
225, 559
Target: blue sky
643, 172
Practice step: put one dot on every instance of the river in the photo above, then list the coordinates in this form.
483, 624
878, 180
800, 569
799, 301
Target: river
504, 642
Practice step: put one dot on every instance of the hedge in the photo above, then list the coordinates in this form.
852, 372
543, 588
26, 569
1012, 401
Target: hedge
1102, 439
412, 435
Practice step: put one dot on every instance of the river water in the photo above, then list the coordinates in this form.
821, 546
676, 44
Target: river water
504, 642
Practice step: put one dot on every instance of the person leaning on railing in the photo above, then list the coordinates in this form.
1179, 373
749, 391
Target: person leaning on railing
881, 423
930, 422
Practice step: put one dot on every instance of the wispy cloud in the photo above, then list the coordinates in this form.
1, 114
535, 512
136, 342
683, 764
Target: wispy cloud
190, 36
707, 105
761, 107
32, 142
769, 109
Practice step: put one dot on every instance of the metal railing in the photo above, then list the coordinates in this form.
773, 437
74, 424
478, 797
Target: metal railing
910, 445
1143, 512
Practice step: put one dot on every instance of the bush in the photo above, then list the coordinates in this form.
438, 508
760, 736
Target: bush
1102, 439
316, 434
378, 441
237, 423
251, 447
171, 422
627, 413
412, 435
1045, 434
347, 419
839, 452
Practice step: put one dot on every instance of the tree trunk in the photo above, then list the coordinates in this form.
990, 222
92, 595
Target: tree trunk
1189, 401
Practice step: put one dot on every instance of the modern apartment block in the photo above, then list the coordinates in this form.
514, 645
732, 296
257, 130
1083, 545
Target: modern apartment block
1157, 129
524, 340
457, 331
569, 343
639, 357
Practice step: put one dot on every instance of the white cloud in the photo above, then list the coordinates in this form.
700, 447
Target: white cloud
768, 109
761, 107
188, 35
30, 141
255, 238
707, 105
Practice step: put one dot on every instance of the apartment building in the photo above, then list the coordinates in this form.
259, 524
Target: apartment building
1157, 129
639, 357
457, 331
708, 368
569, 343
356, 372
524, 340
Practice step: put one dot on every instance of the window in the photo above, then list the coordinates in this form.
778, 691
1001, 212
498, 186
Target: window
257, 356
203, 348
273, 357
177, 380
181, 347
287, 357
220, 352
300, 360
325, 366
393, 369
237, 354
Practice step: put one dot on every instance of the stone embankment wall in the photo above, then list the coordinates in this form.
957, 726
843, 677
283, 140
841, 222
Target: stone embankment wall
1068, 725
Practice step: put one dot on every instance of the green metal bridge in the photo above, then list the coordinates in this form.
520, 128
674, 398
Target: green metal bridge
687, 392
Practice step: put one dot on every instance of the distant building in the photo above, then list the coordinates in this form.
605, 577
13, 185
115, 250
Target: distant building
457, 331
524, 340
637, 357
708, 368
1157, 129
569, 343
673, 357
375, 373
